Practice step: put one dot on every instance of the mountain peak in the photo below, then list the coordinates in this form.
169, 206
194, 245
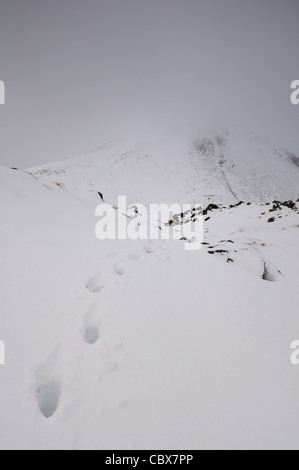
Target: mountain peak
220, 165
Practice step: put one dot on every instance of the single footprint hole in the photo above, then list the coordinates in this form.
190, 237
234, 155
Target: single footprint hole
148, 250
119, 270
95, 284
91, 335
48, 395
268, 274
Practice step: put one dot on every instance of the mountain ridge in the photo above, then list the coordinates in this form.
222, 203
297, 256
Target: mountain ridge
220, 167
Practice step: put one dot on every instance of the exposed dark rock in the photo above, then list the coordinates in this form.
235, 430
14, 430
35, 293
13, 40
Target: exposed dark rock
210, 208
289, 204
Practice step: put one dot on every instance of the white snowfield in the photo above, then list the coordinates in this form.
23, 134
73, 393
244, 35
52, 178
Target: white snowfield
142, 345
224, 167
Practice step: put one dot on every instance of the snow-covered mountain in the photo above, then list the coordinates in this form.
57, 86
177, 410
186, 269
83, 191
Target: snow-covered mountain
223, 167
140, 344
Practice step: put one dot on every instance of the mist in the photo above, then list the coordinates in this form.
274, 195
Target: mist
78, 73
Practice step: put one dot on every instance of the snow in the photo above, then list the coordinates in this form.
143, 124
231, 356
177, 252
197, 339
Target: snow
141, 344
223, 167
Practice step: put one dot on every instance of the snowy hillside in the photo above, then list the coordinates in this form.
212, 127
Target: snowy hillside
142, 345
222, 167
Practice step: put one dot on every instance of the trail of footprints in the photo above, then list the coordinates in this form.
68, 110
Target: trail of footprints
96, 284
48, 382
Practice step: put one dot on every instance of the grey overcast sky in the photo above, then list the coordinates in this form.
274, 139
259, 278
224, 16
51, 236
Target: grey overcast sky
80, 71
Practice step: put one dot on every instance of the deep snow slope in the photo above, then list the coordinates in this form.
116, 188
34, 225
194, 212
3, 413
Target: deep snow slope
142, 345
223, 167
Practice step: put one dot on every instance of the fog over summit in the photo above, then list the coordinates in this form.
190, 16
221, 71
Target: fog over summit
78, 73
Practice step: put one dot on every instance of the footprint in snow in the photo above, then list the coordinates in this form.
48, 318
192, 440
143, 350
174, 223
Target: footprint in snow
91, 325
91, 334
48, 386
270, 274
122, 405
148, 250
119, 270
95, 284
47, 396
